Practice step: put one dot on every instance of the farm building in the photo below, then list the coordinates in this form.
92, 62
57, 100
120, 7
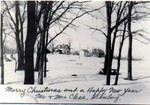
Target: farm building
62, 49
84, 53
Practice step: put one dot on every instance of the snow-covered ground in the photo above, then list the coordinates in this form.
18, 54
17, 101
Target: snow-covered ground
61, 68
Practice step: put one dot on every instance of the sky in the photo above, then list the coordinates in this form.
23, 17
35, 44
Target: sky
84, 38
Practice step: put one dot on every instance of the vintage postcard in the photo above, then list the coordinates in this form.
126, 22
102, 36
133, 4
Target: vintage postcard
81, 52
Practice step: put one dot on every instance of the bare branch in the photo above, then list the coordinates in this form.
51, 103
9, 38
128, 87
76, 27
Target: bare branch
77, 16
100, 30
140, 41
7, 8
57, 18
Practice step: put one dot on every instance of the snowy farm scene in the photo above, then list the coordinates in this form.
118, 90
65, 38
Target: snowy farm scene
94, 52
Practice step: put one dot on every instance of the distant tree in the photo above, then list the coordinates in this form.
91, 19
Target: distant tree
69, 45
98, 52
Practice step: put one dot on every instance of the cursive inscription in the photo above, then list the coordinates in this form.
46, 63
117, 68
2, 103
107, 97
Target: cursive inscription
31, 90
75, 94
77, 97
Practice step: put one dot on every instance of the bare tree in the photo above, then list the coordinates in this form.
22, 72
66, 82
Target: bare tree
16, 25
44, 39
118, 9
116, 19
109, 9
130, 7
30, 42
120, 51
2, 40
135, 16
112, 8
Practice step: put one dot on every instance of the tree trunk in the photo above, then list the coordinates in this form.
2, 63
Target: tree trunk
45, 64
118, 65
45, 57
37, 58
119, 12
42, 51
29, 44
41, 61
20, 60
40, 72
106, 61
22, 46
1, 51
108, 11
129, 76
44, 41
114, 41
119, 55
18, 41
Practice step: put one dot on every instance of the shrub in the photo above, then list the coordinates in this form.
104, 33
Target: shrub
98, 52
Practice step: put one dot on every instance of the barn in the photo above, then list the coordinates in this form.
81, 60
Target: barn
84, 53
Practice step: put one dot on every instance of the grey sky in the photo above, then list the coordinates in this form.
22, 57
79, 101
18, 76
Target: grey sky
84, 38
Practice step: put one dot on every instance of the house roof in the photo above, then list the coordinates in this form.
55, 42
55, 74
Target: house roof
85, 50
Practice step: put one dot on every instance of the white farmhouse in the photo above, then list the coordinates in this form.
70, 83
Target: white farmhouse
84, 53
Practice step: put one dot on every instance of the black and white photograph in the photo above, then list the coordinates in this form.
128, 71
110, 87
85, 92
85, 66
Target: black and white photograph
81, 52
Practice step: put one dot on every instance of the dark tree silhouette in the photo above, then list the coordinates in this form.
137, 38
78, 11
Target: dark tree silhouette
19, 37
109, 8
30, 42
1, 50
130, 7
120, 52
